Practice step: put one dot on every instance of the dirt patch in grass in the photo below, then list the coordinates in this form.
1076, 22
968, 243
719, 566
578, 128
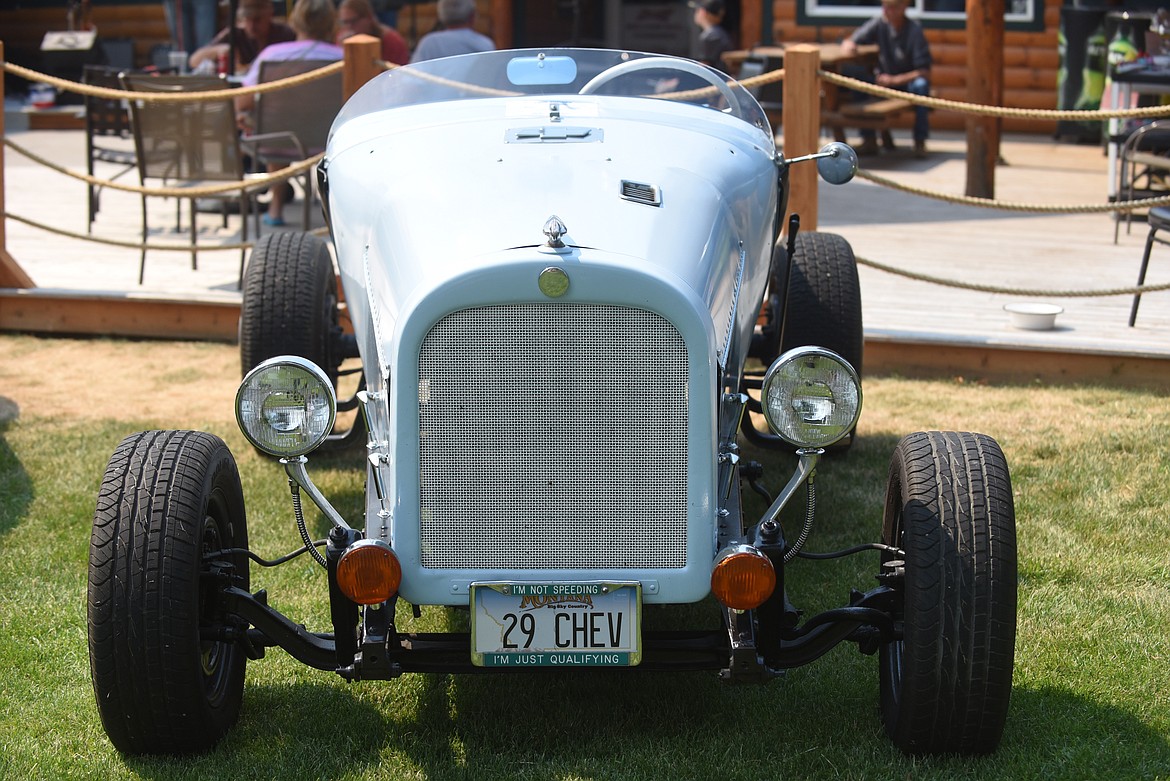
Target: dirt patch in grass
176, 384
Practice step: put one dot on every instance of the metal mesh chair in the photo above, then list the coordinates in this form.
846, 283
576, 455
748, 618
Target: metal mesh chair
293, 124
1144, 170
187, 144
108, 136
1159, 220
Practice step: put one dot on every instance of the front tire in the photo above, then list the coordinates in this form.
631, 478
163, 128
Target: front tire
945, 686
168, 498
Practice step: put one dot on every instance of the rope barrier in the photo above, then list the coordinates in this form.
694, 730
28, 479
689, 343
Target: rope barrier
253, 182
110, 93
749, 83
127, 244
138, 245
1041, 208
992, 111
829, 76
1115, 291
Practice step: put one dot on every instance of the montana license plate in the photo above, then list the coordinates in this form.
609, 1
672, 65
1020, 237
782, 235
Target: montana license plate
556, 624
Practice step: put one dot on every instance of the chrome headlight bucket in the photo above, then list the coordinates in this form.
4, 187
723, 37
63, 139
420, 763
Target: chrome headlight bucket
811, 397
286, 406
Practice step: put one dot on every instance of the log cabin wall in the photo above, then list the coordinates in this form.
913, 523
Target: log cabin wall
1031, 62
23, 29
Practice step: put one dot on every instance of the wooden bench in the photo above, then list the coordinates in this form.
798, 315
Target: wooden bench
865, 115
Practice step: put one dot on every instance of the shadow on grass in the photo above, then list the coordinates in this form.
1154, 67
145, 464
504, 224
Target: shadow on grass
655, 725
15, 486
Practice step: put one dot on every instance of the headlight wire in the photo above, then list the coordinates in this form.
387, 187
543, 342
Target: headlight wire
295, 489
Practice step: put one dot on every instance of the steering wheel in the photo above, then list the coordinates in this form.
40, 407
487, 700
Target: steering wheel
652, 63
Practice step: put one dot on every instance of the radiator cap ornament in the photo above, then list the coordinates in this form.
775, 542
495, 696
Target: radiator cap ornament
554, 229
553, 282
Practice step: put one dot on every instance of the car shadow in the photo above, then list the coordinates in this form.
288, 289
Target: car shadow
584, 724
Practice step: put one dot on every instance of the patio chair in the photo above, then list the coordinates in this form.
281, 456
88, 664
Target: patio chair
1144, 167
1159, 220
187, 145
289, 125
108, 136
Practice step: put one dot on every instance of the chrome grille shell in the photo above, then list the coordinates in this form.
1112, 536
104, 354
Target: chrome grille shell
597, 521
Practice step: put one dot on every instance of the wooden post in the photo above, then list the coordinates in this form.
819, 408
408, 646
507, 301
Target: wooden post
985, 80
11, 274
501, 30
751, 24
362, 53
802, 128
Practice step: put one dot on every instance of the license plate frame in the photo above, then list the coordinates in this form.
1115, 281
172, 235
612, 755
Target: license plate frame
520, 624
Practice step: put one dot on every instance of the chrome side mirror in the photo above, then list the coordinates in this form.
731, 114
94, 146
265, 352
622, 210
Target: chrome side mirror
837, 163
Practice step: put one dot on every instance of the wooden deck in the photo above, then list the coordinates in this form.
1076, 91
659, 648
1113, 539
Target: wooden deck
909, 321
910, 325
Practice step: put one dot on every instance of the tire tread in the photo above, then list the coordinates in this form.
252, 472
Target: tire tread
953, 491
143, 620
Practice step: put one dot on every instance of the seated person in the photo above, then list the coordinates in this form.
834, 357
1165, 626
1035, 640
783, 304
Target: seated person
458, 35
356, 17
903, 64
254, 30
315, 24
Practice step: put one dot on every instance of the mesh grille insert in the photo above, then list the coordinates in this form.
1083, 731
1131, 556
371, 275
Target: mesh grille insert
553, 436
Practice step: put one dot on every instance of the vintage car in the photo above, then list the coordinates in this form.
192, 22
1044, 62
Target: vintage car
567, 280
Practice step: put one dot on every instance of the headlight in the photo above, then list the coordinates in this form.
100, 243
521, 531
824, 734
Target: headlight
285, 406
811, 397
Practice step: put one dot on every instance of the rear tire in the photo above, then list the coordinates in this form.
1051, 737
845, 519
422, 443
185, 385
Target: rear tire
290, 302
290, 307
167, 499
823, 305
946, 685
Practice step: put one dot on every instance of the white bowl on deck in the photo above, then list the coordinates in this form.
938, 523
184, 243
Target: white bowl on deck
1033, 316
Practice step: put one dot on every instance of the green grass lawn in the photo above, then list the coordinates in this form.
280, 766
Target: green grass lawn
1091, 699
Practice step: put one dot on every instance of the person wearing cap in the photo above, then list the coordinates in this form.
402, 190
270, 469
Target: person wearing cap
458, 35
903, 64
254, 29
356, 17
713, 40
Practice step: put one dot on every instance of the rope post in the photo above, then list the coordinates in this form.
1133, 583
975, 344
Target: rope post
985, 86
802, 128
361, 53
11, 274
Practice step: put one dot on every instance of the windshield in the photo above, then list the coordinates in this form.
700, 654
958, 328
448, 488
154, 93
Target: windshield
559, 72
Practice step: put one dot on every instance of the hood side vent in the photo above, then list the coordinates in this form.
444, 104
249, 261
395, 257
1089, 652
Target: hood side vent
641, 192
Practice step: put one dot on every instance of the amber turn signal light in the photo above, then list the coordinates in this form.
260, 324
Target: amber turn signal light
743, 577
368, 572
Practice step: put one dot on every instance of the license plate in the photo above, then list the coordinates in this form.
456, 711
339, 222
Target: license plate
591, 624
